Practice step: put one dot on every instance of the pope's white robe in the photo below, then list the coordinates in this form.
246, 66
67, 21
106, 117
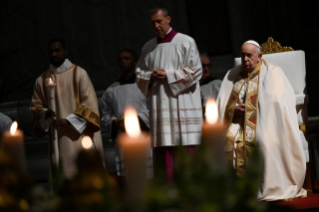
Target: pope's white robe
76, 101
175, 105
277, 133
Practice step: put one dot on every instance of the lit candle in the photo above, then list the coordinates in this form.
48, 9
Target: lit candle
13, 142
54, 145
212, 134
134, 145
87, 143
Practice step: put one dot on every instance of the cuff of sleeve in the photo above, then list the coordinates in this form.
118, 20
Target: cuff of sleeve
77, 122
92, 118
181, 80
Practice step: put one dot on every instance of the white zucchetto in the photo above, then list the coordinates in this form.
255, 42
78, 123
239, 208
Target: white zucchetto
252, 42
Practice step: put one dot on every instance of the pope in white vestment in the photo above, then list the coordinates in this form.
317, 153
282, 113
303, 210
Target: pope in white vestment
76, 102
269, 123
175, 105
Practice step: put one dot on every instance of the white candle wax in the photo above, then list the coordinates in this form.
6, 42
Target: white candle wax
212, 133
54, 146
13, 142
135, 147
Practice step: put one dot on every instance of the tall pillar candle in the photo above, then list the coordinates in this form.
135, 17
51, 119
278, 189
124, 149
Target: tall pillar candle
213, 135
135, 147
13, 142
54, 145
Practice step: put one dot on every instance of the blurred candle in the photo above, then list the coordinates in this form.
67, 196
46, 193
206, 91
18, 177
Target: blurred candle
87, 143
13, 142
134, 145
212, 133
54, 145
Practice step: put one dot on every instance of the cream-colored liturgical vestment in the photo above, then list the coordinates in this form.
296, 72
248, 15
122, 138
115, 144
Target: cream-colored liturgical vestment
74, 94
270, 123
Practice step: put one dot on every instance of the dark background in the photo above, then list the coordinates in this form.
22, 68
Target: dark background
96, 30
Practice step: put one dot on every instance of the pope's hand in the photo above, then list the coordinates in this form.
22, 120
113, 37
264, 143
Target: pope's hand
58, 123
159, 75
239, 113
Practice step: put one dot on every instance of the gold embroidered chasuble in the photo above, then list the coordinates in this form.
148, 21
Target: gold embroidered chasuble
270, 124
246, 140
74, 93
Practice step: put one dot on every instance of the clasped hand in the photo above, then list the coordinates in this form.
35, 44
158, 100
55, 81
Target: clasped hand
56, 123
239, 113
159, 75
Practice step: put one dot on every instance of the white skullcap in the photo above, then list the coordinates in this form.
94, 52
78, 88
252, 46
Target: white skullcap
252, 42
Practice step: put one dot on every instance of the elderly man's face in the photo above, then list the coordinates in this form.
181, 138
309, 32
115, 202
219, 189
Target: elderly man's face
57, 54
206, 66
126, 62
249, 57
160, 23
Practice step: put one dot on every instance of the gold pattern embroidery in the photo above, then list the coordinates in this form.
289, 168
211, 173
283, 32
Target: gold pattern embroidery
88, 114
247, 137
75, 88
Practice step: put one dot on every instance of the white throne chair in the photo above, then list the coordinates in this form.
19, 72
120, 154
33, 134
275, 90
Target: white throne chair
293, 65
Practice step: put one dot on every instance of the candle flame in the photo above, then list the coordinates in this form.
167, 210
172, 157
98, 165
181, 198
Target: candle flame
87, 142
50, 81
131, 123
211, 111
13, 127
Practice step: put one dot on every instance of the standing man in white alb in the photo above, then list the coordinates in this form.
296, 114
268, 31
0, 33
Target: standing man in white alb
168, 72
122, 93
76, 113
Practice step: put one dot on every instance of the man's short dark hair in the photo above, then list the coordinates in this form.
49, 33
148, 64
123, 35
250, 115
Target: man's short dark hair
134, 55
155, 10
57, 40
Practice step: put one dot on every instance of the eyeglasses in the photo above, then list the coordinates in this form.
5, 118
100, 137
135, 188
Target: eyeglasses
208, 65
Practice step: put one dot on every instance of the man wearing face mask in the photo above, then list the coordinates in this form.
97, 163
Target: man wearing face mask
168, 72
122, 93
76, 113
257, 105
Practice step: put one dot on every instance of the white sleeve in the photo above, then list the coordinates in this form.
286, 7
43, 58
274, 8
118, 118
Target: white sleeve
180, 80
44, 123
107, 112
77, 122
143, 75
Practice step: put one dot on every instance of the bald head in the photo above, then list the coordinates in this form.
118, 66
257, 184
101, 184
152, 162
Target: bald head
206, 66
250, 56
